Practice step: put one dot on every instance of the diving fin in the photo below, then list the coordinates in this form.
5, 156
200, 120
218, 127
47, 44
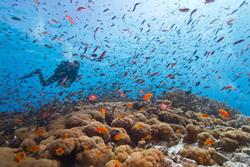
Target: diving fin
36, 72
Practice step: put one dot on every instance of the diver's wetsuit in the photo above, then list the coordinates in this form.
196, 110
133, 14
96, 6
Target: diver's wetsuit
65, 74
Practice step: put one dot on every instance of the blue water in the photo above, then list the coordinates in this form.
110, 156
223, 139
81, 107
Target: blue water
147, 41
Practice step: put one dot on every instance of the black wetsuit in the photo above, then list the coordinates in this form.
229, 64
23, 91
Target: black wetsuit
65, 74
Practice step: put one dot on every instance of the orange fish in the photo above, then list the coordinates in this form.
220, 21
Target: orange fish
101, 130
147, 96
204, 116
102, 111
19, 156
18, 121
224, 114
70, 19
208, 142
34, 149
117, 163
130, 105
59, 151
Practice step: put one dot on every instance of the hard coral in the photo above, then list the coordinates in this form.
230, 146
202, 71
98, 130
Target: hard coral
140, 130
67, 145
97, 115
192, 133
56, 124
245, 129
122, 152
228, 144
125, 123
146, 158
242, 137
163, 131
172, 118
22, 133
31, 162
203, 137
120, 136
138, 117
77, 119
97, 129
67, 133
84, 143
7, 156
201, 156
153, 121
97, 156
27, 143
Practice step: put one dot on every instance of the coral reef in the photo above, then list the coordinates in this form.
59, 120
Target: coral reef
181, 130
201, 156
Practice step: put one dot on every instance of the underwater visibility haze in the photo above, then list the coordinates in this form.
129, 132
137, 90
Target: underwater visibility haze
124, 83
155, 46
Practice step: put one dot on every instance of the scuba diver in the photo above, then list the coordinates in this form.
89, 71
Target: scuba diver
65, 74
